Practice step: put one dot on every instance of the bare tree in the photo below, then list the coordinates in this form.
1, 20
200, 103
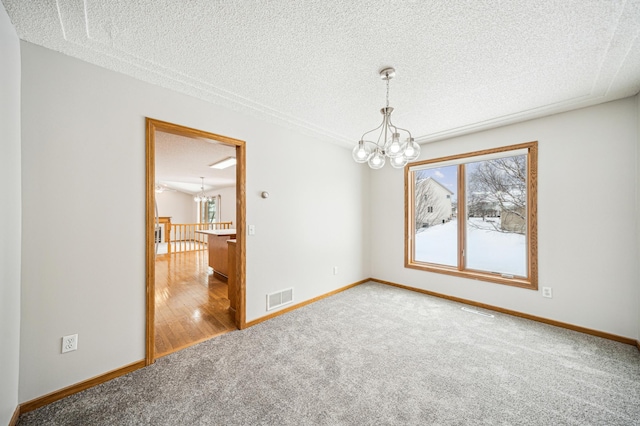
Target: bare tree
500, 185
480, 204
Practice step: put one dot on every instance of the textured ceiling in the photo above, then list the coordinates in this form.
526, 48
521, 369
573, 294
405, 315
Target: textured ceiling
313, 65
181, 161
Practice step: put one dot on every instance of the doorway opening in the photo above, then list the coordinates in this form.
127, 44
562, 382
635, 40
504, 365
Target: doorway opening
178, 258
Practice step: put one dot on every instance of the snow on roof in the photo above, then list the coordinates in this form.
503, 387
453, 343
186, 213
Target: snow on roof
435, 181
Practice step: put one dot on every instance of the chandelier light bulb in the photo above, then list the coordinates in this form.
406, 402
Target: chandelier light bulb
395, 148
377, 159
412, 151
361, 152
399, 162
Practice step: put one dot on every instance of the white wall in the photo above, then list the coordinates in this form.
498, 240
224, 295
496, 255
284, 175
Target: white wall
311, 222
9, 217
227, 203
588, 246
177, 205
83, 145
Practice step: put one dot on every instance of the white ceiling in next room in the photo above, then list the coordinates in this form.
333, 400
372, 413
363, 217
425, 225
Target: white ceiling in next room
181, 162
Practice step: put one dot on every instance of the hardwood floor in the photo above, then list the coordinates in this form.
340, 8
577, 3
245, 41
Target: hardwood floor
191, 303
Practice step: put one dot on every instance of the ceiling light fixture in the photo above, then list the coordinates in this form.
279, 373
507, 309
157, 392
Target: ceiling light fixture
223, 164
388, 143
201, 196
161, 187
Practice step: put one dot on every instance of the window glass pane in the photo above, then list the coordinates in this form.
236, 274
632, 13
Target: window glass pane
436, 235
209, 210
496, 206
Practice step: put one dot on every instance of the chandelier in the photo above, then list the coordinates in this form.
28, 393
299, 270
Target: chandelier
201, 196
388, 144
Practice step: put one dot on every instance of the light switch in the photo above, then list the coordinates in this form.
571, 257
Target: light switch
252, 230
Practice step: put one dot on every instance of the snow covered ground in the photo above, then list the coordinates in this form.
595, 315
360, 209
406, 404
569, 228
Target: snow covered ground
487, 249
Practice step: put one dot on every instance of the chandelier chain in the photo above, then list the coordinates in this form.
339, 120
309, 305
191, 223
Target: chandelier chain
388, 92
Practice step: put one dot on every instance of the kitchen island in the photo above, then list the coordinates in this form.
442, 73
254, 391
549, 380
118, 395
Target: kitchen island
218, 250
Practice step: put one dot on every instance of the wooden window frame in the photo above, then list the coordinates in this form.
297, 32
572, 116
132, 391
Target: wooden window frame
531, 281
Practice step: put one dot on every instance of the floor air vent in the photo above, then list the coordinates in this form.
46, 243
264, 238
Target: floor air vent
473, 311
279, 298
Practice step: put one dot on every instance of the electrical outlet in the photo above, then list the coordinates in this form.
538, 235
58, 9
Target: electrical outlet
335, 270
546, 292
70, 343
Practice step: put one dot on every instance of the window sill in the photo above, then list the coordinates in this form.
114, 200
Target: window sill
522, 282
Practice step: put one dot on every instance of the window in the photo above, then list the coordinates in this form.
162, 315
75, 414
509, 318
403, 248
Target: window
208, 211
474, 215
211, 208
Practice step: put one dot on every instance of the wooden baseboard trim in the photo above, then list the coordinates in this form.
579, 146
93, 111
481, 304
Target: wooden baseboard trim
638, 344
221, 277
602, 334
70, 390
14, 419
301, 304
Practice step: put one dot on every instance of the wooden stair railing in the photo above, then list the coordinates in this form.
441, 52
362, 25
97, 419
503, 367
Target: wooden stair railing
181, 237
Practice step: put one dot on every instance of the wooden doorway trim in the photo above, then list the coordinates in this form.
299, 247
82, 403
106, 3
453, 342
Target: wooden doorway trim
151, 127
